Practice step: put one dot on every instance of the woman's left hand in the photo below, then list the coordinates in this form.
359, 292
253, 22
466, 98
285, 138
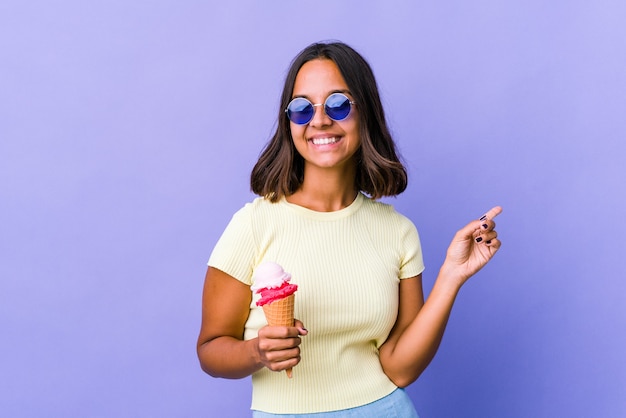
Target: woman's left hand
471, 248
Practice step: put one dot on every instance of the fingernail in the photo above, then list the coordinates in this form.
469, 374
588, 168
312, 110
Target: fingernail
484, 226
483, 218
488, 242
479, 239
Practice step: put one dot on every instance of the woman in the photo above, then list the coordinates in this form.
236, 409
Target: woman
357, 262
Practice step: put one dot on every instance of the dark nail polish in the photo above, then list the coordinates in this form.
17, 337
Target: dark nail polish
479, 239
485, 226
483, 218
488, 242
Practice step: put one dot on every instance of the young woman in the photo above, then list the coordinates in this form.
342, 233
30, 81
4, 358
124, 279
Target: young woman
356, 261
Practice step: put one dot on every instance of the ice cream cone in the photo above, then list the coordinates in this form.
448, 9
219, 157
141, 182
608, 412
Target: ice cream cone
271, 282
280, 313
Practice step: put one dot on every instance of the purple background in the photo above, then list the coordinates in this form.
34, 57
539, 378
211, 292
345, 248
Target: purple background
127, 133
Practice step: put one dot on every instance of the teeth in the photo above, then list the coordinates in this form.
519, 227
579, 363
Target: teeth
325, 141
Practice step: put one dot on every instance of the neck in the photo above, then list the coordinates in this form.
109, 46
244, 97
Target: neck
325, 190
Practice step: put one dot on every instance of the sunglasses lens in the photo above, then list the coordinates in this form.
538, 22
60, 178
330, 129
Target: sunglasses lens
337, 106
300, 111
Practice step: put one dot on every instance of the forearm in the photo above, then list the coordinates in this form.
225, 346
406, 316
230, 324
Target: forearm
411, 347
408, 356
229, 357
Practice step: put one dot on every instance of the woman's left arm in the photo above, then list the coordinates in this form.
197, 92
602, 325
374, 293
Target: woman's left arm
419, 328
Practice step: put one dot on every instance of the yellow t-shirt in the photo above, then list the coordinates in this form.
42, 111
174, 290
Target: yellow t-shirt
347, 265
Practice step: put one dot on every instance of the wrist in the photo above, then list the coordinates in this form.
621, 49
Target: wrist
255, 353
448, 280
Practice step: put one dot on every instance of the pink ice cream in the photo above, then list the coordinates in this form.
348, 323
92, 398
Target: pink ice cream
272, 283
277, 295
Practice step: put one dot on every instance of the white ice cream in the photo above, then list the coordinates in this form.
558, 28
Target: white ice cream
269, 275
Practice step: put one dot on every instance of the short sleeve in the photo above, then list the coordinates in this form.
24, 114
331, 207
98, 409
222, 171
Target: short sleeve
412, 262
235, 252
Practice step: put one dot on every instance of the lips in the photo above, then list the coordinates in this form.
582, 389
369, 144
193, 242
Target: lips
325, 140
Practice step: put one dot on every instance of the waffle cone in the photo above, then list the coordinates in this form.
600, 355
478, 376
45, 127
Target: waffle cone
280, 313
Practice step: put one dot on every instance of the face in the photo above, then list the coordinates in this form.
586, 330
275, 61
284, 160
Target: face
324, 142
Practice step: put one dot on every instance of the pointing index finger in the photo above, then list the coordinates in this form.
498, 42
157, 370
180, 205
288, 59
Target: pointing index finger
492, 213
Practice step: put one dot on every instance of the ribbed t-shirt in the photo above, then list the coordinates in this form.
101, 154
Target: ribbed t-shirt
348, 265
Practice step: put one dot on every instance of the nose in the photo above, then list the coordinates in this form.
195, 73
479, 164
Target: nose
320, 118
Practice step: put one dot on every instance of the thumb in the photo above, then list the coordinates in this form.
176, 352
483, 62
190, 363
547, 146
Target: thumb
301, 329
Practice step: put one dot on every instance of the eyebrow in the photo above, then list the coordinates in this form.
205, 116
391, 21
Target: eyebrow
304, 96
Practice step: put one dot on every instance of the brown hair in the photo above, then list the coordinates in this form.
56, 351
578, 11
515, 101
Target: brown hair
280, 168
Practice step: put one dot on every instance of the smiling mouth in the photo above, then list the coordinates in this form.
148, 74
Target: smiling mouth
325, 141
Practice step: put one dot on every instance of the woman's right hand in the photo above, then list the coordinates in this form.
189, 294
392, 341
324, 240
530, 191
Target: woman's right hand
279, 347
222, 349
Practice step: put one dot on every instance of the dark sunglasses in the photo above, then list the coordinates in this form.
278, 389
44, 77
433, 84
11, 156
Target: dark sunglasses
337, 106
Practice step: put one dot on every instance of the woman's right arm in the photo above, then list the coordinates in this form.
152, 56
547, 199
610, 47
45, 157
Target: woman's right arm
222, 351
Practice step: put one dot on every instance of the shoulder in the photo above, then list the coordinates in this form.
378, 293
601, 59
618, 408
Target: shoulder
385, 212
256, 206
259, 213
